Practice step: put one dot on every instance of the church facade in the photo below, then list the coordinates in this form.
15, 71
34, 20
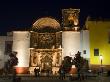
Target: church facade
48, 42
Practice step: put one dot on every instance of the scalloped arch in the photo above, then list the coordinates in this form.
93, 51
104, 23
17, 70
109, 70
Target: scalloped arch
46, 22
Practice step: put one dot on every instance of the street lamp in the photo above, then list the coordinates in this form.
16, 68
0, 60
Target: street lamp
101, 60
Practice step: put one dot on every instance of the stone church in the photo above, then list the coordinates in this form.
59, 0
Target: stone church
47, 43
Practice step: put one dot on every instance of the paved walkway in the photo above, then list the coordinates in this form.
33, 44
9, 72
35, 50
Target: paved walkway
55, 79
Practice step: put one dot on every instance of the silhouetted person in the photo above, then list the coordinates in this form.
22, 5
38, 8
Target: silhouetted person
35, 72
62, 73
14, 75
108, 73
48, 72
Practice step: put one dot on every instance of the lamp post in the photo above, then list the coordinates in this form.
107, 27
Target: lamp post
101, 61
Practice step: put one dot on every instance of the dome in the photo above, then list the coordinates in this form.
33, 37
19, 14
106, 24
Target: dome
46, 22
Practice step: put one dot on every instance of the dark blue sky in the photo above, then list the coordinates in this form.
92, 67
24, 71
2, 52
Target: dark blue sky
23, 13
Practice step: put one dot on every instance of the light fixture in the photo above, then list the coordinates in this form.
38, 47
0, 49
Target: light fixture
101, 59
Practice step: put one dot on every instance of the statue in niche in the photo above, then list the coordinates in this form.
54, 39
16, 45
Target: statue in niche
58, 58
34, 59
72, 18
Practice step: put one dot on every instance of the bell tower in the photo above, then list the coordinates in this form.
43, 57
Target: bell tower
71, 33
70, 19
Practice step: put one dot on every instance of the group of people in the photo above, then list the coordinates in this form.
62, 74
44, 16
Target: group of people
61, 73
37, 72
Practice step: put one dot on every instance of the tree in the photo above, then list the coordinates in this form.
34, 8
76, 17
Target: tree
13, 59
78, 60
81, 64
11, 62
66, 64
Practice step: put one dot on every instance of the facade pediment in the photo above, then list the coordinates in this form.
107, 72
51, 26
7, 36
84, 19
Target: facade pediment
46, 22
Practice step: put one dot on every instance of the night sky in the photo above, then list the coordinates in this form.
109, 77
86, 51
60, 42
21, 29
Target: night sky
23, 13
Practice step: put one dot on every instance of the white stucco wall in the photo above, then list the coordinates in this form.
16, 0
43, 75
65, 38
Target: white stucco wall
2, 50
3, 56
85, 44
21, 44
70, 43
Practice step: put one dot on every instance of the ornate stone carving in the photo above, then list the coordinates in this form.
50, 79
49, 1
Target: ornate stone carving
45, 58
46, 40
70, 17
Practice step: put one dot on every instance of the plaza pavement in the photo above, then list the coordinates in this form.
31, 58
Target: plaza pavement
55, 79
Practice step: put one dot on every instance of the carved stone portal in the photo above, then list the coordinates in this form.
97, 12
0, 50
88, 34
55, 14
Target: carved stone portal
45, 51
45, 58
46, 61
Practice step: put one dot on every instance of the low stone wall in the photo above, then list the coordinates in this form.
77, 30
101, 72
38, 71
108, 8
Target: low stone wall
96, 68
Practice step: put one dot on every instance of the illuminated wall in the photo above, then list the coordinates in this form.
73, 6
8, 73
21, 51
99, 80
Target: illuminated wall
85, 47
21, 44
3, 56
99, 39
70, 43
2, 50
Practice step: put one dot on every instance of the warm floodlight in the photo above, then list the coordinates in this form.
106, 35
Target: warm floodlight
101, 59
